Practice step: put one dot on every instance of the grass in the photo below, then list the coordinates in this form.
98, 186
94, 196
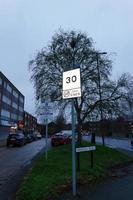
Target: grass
46, 179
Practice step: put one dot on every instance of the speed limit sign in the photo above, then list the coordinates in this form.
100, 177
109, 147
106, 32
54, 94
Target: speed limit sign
71, 84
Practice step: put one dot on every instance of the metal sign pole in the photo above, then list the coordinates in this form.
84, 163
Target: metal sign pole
46, 148
72, 89
73, 152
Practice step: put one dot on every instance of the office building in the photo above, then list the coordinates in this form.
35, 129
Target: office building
11, 103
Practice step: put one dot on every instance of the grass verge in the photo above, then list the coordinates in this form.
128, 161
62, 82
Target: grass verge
46, 179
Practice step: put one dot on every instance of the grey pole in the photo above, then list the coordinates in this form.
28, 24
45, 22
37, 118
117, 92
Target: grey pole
46, 148
73, 44
99, 88
73, 152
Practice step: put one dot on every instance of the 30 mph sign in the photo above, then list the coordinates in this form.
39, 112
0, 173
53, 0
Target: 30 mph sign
71, 84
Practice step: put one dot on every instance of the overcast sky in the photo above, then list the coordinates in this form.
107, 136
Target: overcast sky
28, 25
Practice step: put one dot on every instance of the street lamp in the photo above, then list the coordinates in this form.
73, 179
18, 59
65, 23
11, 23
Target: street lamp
99, 88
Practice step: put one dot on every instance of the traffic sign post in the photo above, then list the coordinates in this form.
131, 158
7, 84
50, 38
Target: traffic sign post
71, 84
73, 152
46, 148
72, 89
47, 113
84, 149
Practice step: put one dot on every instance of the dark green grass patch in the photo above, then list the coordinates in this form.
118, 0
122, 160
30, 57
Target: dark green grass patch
48, 178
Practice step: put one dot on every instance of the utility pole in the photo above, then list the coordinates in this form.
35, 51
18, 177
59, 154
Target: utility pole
99, 89
72, 90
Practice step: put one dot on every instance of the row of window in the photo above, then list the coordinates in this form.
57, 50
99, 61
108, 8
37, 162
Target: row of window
14, 104
6, 115
9, 89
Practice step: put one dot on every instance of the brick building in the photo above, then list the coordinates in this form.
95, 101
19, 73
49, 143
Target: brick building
30, 122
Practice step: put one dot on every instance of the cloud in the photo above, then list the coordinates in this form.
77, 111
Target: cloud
27, 26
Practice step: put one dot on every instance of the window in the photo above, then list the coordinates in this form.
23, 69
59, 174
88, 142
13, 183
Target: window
14, 105
21, 99
15, 94
6, 100
5, 84
14, 116
5, 114
0, 81
21, 109
5, 123
9, 88
20, 117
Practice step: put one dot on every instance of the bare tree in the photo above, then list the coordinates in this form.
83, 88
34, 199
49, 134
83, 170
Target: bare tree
49, 64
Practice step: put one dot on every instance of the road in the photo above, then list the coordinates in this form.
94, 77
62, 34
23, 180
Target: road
113, 142
14, 162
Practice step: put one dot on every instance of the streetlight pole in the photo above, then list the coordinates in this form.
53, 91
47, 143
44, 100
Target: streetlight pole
99, 89
73, 43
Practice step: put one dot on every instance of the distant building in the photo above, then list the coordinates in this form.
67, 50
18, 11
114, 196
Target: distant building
11, 103
29, 122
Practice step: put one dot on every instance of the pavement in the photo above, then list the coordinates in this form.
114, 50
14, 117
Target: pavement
14, 163
3, 137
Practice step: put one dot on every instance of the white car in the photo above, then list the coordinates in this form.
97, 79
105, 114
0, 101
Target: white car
38, 135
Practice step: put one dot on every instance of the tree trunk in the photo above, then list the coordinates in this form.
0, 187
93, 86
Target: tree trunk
103, 142
79, 130
102, 132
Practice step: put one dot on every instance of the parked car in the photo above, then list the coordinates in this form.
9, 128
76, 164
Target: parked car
86, 134
38, 136
56, 139
16, 139
61, 139
29, 138
33, 136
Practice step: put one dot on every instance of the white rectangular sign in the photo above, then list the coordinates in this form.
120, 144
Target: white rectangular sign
82, 149
71, 84
46, 109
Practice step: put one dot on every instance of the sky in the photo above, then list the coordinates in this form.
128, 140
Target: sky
26, 26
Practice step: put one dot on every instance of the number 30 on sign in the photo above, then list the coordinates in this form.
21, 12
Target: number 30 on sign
71, 84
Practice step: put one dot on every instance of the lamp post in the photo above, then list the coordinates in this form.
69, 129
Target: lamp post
73, 44
99, 89
111, 123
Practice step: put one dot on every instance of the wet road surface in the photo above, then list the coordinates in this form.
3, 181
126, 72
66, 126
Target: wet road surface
124, 143
13, 163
